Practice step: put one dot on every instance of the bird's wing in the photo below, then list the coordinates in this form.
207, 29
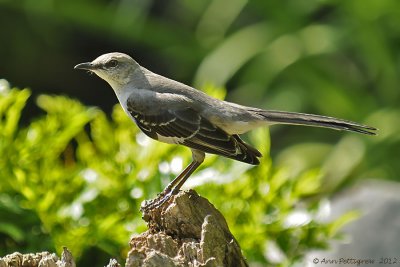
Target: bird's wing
185, 126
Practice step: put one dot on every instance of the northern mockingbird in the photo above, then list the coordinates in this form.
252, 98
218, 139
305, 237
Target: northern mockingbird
174, 113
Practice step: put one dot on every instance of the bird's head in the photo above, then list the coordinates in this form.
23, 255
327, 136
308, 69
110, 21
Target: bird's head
115, 68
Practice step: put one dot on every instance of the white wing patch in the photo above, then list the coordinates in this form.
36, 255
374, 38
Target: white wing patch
170, 139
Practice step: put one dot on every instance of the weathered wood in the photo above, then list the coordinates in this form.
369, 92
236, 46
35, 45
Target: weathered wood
186, 231
41, 259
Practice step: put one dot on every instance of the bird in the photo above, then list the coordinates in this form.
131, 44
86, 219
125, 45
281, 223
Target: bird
174, 113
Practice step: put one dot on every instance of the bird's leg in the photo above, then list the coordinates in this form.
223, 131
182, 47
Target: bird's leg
176, 181
174, 186
191, 168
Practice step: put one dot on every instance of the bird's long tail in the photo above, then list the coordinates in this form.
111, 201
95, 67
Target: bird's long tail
315, 120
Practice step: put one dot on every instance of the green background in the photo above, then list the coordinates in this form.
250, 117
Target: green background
74, 174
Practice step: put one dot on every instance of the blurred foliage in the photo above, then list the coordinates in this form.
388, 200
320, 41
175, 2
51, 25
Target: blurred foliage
337, 58
75, 178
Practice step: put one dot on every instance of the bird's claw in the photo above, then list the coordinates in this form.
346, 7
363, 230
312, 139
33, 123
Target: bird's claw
156, 203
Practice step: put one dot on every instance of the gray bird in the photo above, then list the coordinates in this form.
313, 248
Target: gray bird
174, 113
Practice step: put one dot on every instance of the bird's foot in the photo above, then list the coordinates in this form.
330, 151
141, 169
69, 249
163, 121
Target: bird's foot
158, 202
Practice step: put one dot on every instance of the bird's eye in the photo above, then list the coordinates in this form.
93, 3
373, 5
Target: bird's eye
111, 64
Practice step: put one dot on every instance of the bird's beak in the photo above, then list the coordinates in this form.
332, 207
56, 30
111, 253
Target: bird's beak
85, 66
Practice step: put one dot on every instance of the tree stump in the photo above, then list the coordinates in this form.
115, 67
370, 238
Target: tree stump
186, 231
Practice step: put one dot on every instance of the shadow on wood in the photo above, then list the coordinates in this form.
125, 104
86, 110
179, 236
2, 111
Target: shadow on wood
186, 231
